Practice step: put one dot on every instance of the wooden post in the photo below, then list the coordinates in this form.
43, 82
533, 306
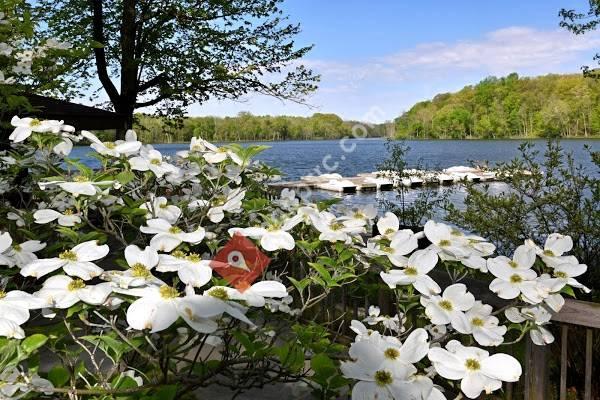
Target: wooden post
536, 372
563, 361
589, 341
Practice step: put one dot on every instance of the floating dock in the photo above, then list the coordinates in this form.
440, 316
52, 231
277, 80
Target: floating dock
385, 180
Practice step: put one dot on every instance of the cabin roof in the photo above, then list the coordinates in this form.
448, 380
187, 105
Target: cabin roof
77, 115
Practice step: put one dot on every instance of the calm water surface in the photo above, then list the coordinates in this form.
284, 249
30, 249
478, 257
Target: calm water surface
353, 156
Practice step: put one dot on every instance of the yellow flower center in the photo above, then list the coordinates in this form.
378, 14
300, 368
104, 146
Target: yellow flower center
68, 255
178, 254
387, 249
75, 284
477, 321
383, 377
109, 145
193, 257
445, 305
411, 271
549, 253
156, 161
174, 229
163, 205
80, 178
168, 292
472, 364
219, 293
516, 278
456, 232
560, 274
391, 353
513, 264
2, 294
444, 243
68, 211
17, 247
389, 231
139, 270
35, 122
336, 226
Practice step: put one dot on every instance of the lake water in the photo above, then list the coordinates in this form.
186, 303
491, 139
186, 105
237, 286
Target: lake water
353, 156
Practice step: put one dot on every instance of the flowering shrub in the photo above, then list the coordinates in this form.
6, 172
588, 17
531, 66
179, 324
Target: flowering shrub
109, 288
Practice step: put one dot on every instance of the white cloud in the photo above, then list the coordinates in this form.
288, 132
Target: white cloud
393, 82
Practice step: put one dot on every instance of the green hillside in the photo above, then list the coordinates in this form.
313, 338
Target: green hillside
544, 106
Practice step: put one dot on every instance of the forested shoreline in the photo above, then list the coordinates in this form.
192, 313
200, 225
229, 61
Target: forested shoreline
248, 127
512, 106
566, 106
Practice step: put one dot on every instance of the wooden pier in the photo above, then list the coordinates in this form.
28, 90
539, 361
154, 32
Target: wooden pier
385, 180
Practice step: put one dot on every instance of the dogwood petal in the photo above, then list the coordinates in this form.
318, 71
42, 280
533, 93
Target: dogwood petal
85, 270
152, 312
446, 364
427, 286
269, 289
473, 384
458, 295
11, 329
41, 267
415, 346
95, 294
503, 289
502, 367
147, 257
90, 251
276, 240
196, 275
165, 242
5, 241
524, 256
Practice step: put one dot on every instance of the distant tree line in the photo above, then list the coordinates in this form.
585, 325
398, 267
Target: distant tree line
246, 126
512, 106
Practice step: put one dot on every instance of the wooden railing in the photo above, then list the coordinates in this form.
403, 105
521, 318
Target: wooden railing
575, 313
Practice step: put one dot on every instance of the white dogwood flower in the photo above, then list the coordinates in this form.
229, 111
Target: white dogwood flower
191, 268
15, 306
10, 329
78, 185
24, 127
141, 263
24, 253
151, 159
474, 367
567, 273
253, 296
388, 225
230, 201
539, 316
5, 243
66, 218
379, 372
62, 291
510, 283
158, 207
359, 216
415, 272
449, 307
554, 248
274, 237
167, 236
75, 262
159, 307
523, 258
482, 325
114, 149
332, 229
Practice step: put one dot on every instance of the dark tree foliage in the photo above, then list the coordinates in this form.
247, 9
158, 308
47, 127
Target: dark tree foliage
581, 22
167, 54
545, 193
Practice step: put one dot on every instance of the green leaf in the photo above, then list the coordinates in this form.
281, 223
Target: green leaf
568, 290
33, 342
58, 376
125, 177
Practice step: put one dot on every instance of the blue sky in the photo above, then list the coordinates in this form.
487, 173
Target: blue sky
377, 58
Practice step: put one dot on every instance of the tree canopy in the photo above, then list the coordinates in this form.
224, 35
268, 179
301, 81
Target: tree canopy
582, 22
168, 54
246, 126
512, 106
